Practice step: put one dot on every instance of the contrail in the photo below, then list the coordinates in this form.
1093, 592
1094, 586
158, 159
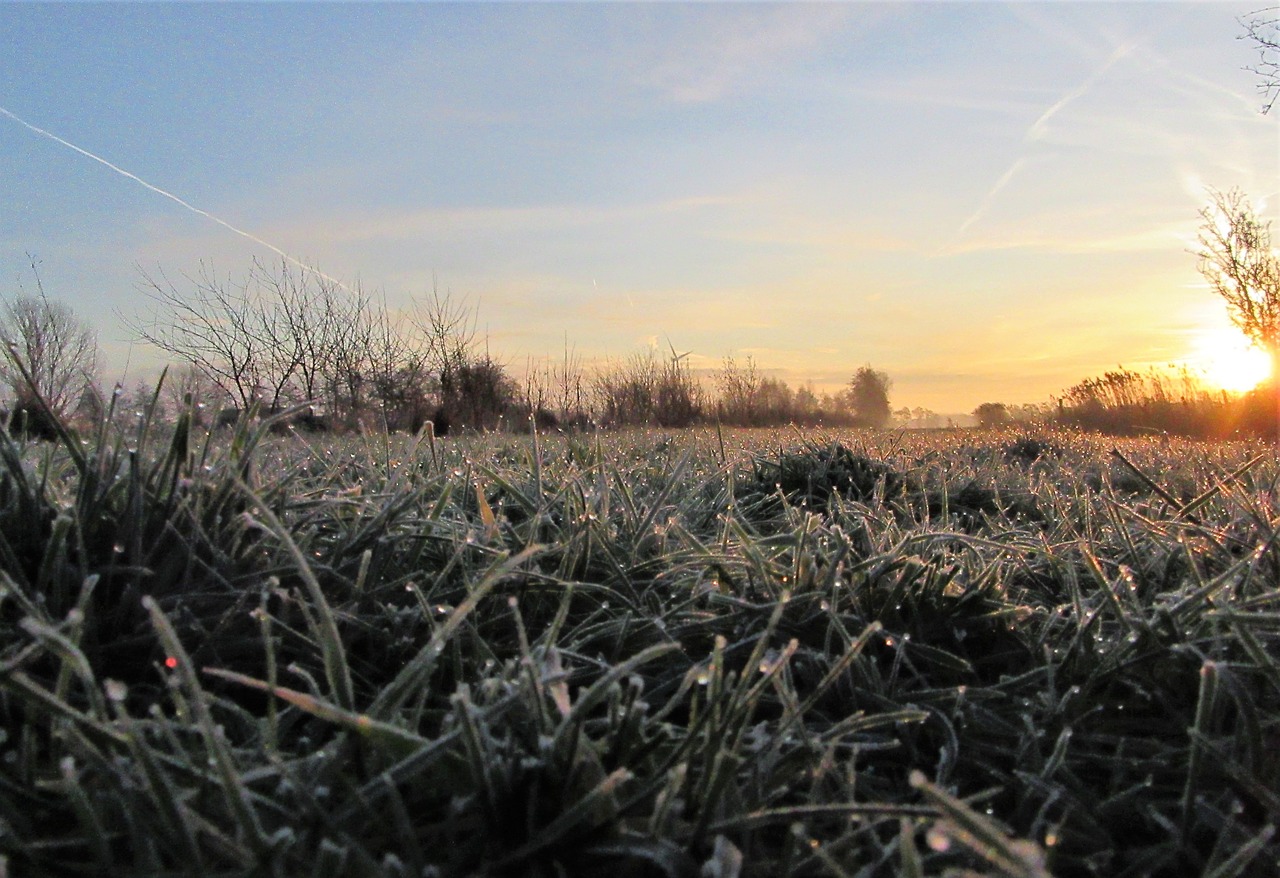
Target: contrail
1040, 127
191, 207
991, 195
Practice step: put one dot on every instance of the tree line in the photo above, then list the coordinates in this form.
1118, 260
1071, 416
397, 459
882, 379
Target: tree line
282, 338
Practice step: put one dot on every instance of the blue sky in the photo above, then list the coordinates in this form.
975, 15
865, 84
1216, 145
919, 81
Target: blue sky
988, 201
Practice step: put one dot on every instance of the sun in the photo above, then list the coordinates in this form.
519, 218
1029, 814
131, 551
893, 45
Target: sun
1229, 361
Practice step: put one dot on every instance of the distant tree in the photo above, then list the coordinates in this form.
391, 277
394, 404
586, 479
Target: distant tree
1263, 29
57, 350
558, 387
868, 397
807, 405
625, 391
216, 326
750, 399
1027, 412
1237, 259
678, 400
190, 388
992, 414
478, 393
644, 390
739, 387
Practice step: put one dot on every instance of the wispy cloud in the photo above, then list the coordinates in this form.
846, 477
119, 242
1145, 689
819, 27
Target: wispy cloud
389, 224
1163, 236
720, 52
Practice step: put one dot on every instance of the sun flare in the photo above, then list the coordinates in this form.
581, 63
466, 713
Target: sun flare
1229, 361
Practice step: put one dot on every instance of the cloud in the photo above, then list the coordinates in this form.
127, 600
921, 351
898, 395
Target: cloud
392, 224
716, 51
1154, 238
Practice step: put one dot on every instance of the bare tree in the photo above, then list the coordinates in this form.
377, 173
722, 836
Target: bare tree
571, 389
448, 330
399, 369
739, 388
190, 388
475, 389
1263, 29
1237, 259
1242, 268
56, 349
625, 393
278, 336
215, 327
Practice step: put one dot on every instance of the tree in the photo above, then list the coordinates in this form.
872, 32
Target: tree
283, 335
217, 327
739, 392
992, 414
1263, 28
868, 397
1237, 259
57, 350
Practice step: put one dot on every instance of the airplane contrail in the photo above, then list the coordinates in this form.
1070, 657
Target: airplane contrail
991, 195
156, 189
1040, 127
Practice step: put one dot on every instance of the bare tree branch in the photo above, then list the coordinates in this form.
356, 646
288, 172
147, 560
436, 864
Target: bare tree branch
1262, 27
1237, 260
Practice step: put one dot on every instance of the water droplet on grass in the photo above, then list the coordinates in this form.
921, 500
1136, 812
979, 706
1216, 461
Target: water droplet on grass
937, 839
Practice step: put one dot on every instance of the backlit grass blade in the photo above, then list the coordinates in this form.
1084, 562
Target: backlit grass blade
337, 672
1016, 858
388, 735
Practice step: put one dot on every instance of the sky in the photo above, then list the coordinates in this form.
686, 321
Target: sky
987, 201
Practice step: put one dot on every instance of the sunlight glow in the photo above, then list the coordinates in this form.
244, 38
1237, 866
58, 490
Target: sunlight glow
1229, 361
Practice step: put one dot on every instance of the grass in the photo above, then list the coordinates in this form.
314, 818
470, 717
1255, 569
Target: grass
682, 654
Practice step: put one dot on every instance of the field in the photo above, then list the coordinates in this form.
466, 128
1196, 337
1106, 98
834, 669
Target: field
638, 654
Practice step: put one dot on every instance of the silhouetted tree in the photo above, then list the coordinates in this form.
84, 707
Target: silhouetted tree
868, 397
625, 393
477, 393
992, 414
678, 402
57, 350
1263, 29
1237, 260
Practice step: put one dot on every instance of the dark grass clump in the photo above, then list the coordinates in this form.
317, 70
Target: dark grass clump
1027, 450
635, 654
810, 476
32, 419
